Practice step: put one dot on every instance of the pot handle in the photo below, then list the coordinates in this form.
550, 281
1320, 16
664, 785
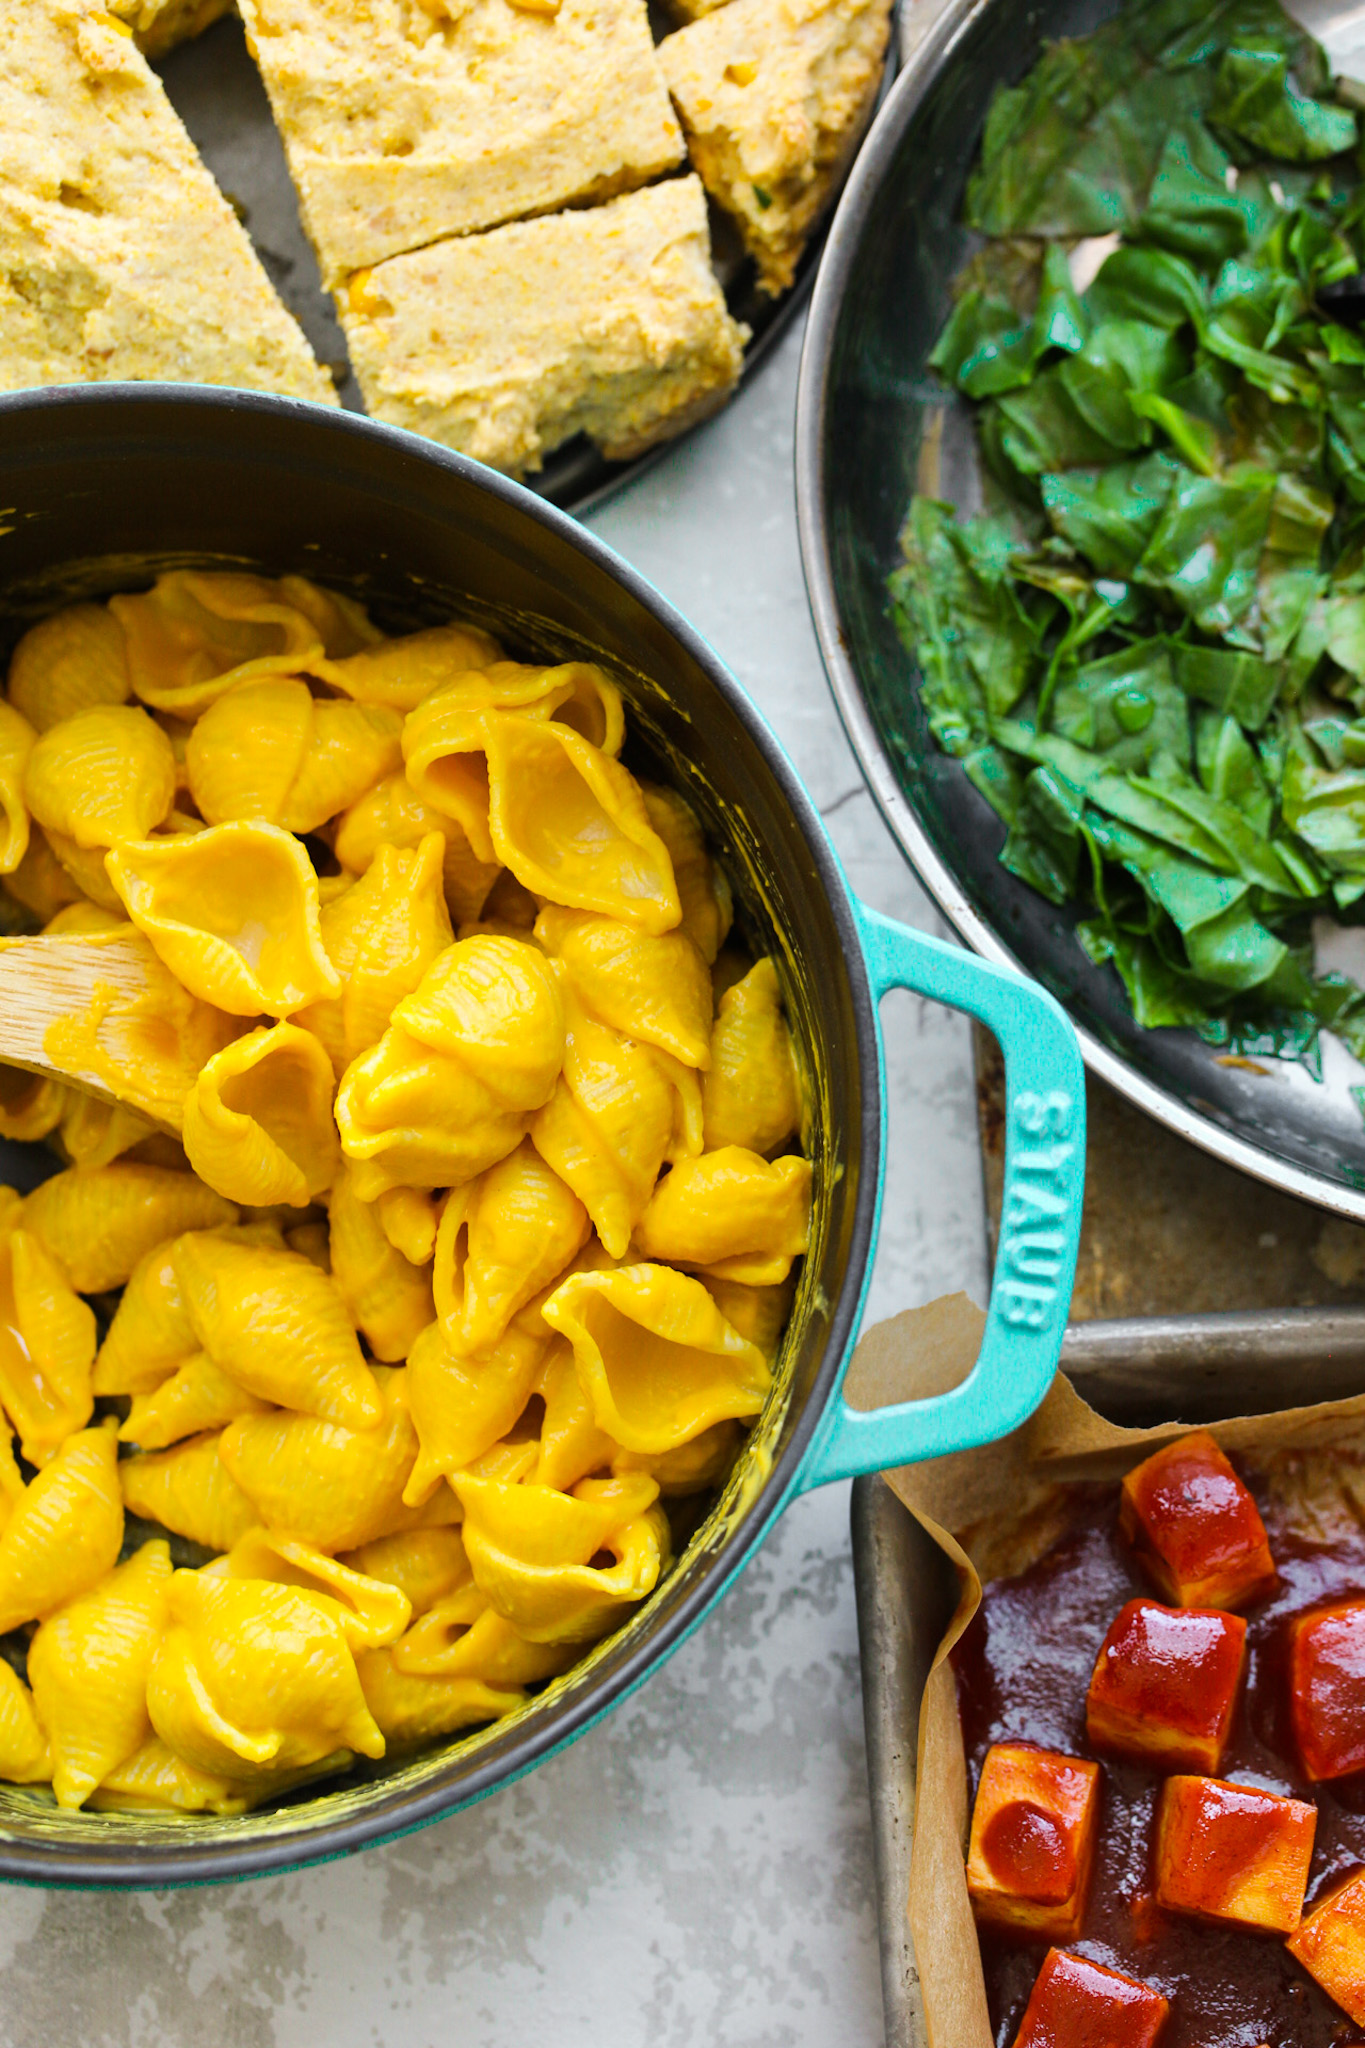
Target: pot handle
1040, 1221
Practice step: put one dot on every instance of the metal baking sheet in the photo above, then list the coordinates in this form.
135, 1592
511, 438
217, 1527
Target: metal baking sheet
217, 91
1171, 1368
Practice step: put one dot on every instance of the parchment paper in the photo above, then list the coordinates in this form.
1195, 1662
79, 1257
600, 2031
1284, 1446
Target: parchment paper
993, 1511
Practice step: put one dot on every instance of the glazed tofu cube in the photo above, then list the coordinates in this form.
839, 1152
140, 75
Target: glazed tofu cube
1165, 1685
1033, 1840
1331, 1945
1233, 1853
1078, 2004
1327, 1689
1195, 1528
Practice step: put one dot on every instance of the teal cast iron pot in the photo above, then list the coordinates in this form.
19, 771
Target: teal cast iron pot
105, 485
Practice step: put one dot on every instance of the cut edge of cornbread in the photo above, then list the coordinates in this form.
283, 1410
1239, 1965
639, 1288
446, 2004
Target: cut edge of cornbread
158, 25
482, 113
607, 321
774, 96
119, 256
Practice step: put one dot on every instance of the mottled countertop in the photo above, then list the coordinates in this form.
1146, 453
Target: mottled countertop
698, 1869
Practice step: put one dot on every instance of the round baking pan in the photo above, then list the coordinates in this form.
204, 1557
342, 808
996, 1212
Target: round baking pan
874, 425
108, 484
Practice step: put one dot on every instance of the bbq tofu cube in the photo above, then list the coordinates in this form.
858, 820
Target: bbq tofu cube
1077, 2004
1232, 1853
1327, 1689
1033, 1840
1165, 1685
1195, 1528
1331, 1945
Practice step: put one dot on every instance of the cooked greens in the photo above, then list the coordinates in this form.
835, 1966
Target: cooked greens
1148, 650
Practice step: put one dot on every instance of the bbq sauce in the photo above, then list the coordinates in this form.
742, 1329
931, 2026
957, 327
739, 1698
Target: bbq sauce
1022, 1670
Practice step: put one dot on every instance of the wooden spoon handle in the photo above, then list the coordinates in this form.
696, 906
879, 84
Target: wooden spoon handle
100, 1010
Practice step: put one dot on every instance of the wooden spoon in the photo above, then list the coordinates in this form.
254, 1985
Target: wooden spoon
100, 1010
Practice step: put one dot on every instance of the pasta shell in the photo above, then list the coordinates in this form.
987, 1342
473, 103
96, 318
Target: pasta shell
444, 751
758, 1313
88, 1668
151, 1335
64, 1531
424, 1564
751, 1095
342, 624
196, 633
154, 1780
11, 1481
336, 1488
93, 1132
350, 748
73, 661
16, 747
277, 1326
463, 1637
619, 1110
388, 1299
84, 918
31, 1105
24, 1757
258, 1122
243, 755
268, 749
188, 1490
571, 824
656, 989
707, 905
444, 738
233, 912
461, 1407
392, 814
732, 1212
572, 1446
658, 1360
409, 1219
502, 1239
97, 1222
400, 673
415, 1711
311, 1241
529, 1549
47, 1348
253, 1680
381, 936
41, 884
101, 777
372, 1612
693, 1467
84, 869
449, 1088
198, 1396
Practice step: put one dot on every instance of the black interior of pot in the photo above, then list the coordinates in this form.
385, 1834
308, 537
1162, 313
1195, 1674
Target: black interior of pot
107, 484
890, 429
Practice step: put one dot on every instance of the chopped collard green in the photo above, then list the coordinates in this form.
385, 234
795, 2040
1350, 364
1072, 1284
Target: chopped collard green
1148, 651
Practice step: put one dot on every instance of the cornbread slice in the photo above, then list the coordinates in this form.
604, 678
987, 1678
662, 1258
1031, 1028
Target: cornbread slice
774, 96
608, 322
119, 256
408, 120
158, 25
